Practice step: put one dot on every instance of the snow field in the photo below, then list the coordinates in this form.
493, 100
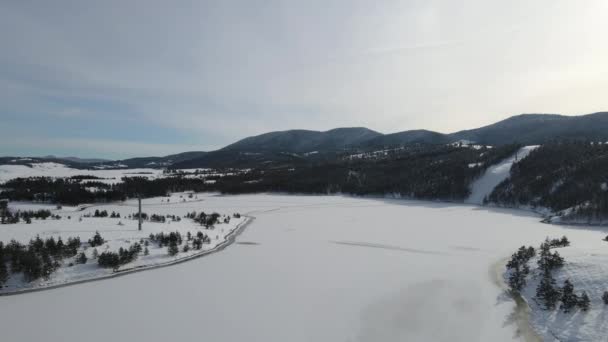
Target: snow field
118, 232
56, 170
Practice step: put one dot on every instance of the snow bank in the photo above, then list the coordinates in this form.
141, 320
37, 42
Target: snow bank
495, 174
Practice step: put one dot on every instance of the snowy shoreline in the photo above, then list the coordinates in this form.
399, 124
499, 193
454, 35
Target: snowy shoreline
522, 312
229, 239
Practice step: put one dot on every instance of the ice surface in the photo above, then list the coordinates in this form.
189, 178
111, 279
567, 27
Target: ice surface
309, 268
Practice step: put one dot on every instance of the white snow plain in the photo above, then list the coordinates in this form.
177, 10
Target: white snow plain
56, 170
309, 268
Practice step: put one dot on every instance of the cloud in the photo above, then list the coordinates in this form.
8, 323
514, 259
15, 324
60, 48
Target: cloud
207, 73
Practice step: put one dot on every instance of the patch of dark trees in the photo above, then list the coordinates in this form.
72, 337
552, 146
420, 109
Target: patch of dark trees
548, 293
207, 220
114, 260
38, 259
558, 176
174, 239
158, 218
10, 217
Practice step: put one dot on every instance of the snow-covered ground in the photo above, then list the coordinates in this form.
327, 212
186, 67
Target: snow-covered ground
49, 169
586, 266
118, 232
309, 268
495, 174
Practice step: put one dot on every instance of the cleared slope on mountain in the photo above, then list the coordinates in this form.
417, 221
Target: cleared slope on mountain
494, 175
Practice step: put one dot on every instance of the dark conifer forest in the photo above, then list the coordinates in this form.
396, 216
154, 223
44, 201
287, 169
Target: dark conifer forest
560, 176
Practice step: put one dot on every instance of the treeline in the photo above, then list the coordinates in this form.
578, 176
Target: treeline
559, 176
10, 217
431, 172
123, 256
73, 192
424, 171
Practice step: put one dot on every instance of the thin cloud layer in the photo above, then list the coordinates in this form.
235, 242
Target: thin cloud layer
160, 76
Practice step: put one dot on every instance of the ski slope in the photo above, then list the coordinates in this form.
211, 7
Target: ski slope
495, 174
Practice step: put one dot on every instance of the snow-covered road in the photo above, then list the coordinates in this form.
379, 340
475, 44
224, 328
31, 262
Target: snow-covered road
310, 268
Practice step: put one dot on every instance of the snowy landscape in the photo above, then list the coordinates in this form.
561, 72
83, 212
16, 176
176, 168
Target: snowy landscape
303, 171
353, 269
118, 227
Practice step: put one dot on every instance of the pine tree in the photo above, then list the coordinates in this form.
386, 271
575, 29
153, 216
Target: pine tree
584, 303
97, 240
546, 291
517, 279
3, 268
569, 298
146, 251
172, 249
605, 297
81, 259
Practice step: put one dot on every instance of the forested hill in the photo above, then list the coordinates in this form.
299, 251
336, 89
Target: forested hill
306, 147
301, 146
569, 178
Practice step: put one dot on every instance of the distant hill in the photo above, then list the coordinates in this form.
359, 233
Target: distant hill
157, 162
420, 136
79, 160
302, 141
539, 129
297, 147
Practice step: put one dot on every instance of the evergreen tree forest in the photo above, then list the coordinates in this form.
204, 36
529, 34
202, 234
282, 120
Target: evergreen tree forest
559, 176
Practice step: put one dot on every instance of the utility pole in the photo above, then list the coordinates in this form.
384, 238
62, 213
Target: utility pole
139, 215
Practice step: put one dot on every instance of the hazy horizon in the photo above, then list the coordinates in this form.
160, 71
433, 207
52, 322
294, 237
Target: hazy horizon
121, 79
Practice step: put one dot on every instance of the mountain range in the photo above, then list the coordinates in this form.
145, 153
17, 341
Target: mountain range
305, 146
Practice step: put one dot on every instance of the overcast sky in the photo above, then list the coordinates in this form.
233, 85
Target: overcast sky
131, 78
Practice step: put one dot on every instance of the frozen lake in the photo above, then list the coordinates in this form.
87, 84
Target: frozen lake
309, 268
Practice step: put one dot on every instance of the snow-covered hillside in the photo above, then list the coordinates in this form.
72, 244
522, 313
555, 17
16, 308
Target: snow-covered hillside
57, 170
495, 174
